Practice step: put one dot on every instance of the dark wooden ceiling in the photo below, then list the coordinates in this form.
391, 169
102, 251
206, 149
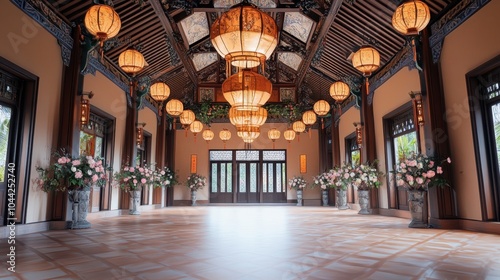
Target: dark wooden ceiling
309, 61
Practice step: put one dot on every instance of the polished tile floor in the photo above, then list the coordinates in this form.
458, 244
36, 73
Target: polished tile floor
255, 242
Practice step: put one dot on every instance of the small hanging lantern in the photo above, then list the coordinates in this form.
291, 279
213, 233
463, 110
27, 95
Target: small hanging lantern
359, 133
367, 61
174, 107
273, 135
339, 91
85, 109
159, 91
131, 61
208, 135
140, 134
196, 127
299, 126
225, 135
321, 108
186, 118
103, 22
289, 135
309, 117
418, 109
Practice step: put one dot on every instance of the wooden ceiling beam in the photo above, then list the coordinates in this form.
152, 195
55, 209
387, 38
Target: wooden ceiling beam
181, 52
327, 23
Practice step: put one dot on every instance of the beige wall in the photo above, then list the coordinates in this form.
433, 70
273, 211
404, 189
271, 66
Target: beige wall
111, 99
185, 147
31, 47
470, 45
388, 97
147, 116
346, 127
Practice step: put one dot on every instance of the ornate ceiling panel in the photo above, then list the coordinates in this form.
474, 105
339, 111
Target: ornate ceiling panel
316, 39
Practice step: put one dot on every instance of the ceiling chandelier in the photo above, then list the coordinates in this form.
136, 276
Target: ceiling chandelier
248, 133
243, 118
247, 90
244, 36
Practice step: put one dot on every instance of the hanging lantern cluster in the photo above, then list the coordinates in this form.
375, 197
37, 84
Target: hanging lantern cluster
245, 37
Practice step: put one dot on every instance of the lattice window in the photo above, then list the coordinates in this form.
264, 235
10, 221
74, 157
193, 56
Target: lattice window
10, 87
247, 155
402, 124
493, 90
273, 155
221, 155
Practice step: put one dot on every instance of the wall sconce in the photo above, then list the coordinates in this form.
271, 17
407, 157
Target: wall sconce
85, 108
359, 133
140, 134
418, 109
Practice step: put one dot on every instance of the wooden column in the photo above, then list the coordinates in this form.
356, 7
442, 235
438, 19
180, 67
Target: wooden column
368, 150
160, 153
130, 146
170, 159
441, 200
335, 152
323, 153
69, 116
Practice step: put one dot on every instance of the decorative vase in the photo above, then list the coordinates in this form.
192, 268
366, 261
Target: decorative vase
364, 200
135, 198
80, 207
341, 199
193, 198
324, 197
418, 209
299, 197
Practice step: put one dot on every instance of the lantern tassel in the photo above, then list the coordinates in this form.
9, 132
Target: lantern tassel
310, 133
367, 86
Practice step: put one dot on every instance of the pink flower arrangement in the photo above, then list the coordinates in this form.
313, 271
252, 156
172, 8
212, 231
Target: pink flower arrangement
420, 172
297, 183
196, 182
68, 173
131, 178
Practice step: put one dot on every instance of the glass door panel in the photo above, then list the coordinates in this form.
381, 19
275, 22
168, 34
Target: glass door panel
5, 131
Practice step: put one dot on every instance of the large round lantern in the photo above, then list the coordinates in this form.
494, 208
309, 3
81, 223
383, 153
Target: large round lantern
131, 61
339, 91
240, 117
159, 91
244, 36
366, 60
411, 17
103, 22
174, 107
247, 90
321, 108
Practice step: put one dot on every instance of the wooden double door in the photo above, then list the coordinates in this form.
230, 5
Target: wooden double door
254, 178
